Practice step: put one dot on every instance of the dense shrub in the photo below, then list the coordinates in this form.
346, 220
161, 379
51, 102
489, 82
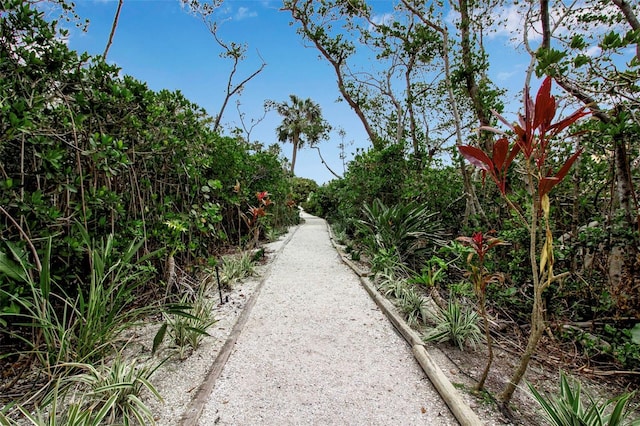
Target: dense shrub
83, 147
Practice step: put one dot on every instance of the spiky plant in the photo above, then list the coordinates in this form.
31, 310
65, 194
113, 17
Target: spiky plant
570, 408
410, 229
106, 394
390, 285
236, 267
454, 324
187, 322
414, 306
118, 386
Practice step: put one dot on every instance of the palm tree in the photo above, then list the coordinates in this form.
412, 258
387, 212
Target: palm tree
301, 118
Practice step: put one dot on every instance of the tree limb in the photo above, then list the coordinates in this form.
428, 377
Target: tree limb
113, 29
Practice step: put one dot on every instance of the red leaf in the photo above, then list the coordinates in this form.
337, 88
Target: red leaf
545, 108
477, 157
568, 121
514, 151
567, 165
501, 118
524, 140
500, 150
546, 184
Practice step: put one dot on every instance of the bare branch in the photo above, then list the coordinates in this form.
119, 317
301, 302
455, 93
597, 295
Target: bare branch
113, 29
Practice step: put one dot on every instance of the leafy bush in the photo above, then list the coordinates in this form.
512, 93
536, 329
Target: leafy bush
301, 188
120, 158
410, 230
78, 330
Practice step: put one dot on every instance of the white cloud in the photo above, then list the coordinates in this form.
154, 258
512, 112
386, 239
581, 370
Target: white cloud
511, 23
593, 51
245, 13
384, 19
506, 75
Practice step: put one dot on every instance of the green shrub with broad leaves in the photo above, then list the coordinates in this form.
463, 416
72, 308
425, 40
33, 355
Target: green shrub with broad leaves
95, 168
83, 143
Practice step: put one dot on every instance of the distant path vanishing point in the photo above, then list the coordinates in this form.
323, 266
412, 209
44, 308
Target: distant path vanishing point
316, 350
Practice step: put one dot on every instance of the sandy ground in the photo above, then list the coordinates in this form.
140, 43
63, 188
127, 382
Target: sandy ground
316, 350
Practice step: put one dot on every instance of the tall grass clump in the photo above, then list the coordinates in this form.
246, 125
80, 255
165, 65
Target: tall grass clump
234, 268
186, 322
454, 324
570, 407
67, 331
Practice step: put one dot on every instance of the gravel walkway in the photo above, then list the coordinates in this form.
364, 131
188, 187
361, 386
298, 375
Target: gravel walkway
317, 350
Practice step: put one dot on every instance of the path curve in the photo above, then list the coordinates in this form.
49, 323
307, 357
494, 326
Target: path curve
316, 349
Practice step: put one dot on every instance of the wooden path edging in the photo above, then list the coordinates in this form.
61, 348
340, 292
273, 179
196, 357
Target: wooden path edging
194, 410
461, 410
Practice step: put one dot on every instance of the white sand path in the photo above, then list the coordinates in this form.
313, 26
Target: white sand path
316, 350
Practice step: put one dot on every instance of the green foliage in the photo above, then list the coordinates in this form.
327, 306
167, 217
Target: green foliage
438, 188
302, 123
236, 267
106, 394
187, 326
391, 285
71, 330
454, 324
301, 188
55, 412
569, 407
409, 229
624, 346
387, 260
118, 157
413, 305
124, 382
431, 273
107, 309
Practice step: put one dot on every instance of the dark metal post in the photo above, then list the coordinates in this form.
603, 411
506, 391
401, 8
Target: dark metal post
219, 288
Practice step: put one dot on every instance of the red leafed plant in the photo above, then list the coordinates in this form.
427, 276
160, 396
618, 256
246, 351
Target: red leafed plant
532, 138
481, 243
255, 213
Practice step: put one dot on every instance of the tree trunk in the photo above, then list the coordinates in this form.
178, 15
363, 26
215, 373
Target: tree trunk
487, 332
470, 75
537, 311
537, 328
624, 184
294, 142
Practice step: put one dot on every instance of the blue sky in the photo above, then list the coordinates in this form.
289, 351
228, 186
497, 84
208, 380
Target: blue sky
158, 42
